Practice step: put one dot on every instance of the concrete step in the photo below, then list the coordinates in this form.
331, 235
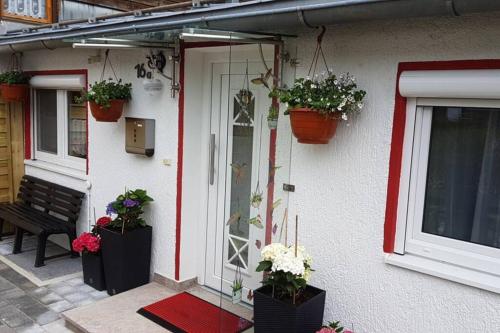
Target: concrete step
118, 314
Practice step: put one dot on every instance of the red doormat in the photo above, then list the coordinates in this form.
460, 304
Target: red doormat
187, 313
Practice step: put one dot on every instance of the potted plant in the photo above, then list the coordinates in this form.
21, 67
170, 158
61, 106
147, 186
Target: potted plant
317, 105
285, 302
106, 99
14, 86
237, 287
272, 117
334, 327
126, 243
89, 245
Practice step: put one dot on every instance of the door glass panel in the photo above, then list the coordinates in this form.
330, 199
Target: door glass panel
77, 126
463, 179
46, 114
241, 179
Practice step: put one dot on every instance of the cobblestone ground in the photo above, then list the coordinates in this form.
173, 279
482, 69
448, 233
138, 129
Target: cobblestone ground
24, 307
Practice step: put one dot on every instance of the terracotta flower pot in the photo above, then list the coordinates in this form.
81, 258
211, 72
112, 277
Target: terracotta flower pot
110, 114
14, 92
309, 126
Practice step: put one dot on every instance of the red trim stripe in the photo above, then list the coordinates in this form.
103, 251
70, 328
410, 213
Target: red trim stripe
398, 129
180, 161
272, 157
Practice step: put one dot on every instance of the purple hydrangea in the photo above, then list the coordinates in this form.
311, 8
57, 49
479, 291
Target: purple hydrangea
129, 203
109, 209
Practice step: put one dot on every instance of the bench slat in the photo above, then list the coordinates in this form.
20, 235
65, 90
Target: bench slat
65, 189
49, 207
30, 186
47, 199
25, 216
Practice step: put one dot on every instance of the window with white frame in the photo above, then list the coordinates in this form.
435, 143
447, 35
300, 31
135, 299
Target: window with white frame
449, 201
60, 127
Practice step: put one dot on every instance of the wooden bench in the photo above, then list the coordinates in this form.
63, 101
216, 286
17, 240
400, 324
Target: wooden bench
43, 209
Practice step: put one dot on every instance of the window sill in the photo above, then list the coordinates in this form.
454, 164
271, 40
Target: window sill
446, 271
62, 170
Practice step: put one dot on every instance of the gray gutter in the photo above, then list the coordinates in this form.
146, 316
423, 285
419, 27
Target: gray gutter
262, 16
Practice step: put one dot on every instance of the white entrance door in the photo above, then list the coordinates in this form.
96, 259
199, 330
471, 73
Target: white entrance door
239, 169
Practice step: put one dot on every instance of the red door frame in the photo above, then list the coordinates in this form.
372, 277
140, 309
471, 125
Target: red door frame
180, 149
27, 109
398, 130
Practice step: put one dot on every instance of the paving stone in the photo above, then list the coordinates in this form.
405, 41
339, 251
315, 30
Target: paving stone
6, 329
14, 277
84, 302
78, 281
5, 284
39, 313
61, 289
76, 297
57, 327
8, 295
34, 328
99, 294
39, 292
61, 306
27, 286
13, 317
47, 317
50, 298
86, 288
21, 301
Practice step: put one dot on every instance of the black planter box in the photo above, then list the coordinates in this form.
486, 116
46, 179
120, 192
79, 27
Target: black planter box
273, 315
126, 258
93, 270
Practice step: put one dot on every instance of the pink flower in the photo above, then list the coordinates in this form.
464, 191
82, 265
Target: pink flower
87, 241
326, 330
77, 245
103, 221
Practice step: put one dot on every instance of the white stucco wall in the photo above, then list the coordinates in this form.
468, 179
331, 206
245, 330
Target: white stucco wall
341, 187
111, 168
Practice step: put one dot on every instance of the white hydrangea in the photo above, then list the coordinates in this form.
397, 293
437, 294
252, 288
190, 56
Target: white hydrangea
284, 259
287, 262
271, 251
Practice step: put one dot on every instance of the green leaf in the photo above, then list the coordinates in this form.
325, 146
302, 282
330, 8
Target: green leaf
264, 266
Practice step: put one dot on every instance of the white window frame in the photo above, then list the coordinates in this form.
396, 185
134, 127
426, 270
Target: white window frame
456, 260
62, 158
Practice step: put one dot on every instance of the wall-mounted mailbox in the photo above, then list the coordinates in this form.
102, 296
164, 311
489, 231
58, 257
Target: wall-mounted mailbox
140, 136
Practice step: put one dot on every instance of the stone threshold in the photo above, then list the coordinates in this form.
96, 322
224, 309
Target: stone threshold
119, 313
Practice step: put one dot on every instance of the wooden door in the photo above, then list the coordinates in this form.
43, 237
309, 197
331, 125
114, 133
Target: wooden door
11, 152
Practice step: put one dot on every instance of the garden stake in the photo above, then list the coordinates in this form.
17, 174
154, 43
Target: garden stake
296, 240
283, 224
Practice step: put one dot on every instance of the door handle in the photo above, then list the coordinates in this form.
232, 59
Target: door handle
211, 172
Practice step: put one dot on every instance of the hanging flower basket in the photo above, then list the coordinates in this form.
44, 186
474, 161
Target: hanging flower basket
107, 114
14, 92
309, 126
107, 97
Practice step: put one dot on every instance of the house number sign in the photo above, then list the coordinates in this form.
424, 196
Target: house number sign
155, 61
